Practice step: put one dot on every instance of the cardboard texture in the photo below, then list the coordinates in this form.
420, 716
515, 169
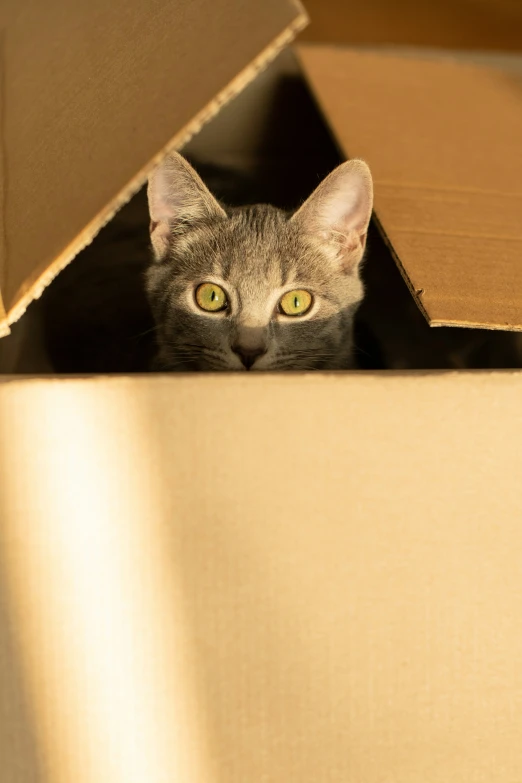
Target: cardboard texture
492, 25
2, 187
442, 138
91, 96
334, 581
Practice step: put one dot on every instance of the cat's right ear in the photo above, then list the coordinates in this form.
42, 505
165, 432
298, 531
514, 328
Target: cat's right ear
338, 212
177, 198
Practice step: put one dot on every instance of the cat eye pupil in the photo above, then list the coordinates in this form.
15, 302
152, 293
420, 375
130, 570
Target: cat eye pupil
211, 298
295, 303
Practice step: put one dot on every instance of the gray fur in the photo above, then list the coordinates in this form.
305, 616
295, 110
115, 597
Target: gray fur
256, 254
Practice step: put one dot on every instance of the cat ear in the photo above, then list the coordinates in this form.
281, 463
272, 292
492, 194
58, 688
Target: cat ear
177, 197
338, 212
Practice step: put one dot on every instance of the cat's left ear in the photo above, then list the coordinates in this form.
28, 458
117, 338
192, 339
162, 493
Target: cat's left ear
338, 212
177, 198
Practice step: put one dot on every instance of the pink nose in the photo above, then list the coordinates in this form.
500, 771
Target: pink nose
248, 355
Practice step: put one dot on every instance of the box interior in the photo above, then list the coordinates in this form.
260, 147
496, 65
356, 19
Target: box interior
270, 144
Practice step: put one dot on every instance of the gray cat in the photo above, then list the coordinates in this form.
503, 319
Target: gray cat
254, 288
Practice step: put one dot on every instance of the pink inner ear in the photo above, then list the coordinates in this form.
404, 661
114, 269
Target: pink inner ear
159, 237
350, 249
351, 214
346, 199
162, 196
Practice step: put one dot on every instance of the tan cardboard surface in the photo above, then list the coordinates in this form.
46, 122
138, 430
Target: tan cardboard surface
3, 325
462, 24
283, 578
93, 92
443, 139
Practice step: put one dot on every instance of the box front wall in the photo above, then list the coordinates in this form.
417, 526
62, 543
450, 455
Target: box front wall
346, 553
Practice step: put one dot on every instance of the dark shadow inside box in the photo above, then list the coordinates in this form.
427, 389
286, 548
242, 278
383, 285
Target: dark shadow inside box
95, 318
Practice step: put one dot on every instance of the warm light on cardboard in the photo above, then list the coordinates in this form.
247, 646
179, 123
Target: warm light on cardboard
98, 618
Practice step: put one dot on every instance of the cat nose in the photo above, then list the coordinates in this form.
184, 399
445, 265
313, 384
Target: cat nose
249, 355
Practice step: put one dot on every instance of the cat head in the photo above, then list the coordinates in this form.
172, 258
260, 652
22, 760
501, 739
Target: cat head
253, 287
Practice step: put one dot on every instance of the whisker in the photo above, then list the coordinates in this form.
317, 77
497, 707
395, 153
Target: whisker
357, 349
147, 331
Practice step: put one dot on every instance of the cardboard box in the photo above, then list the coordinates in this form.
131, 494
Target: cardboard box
280, 577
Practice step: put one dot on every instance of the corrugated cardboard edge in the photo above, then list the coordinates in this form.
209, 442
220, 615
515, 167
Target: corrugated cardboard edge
4, 327
416, 293
259, 64
474, 325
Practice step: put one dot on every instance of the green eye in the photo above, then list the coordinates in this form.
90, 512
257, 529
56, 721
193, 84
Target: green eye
211, 297
296, 302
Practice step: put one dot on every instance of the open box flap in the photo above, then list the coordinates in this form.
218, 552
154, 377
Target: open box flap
443, 139
92, 92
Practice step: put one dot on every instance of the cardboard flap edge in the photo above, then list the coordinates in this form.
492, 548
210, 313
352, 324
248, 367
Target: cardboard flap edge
33, 289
